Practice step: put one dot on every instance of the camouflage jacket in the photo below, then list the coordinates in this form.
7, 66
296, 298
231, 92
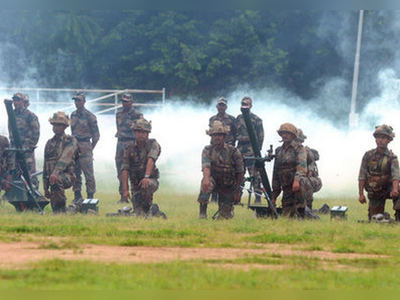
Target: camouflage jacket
135, 159
379, 171
5, 157
224, 164
243, 136
28, 127
84, 126
230, 121
289, 165
59, 157
124, 122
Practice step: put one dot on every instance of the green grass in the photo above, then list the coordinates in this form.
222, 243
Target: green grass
184, 229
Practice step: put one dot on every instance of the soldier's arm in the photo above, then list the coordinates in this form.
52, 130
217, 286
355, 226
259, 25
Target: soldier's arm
94, 128
239, 166
395, 178
35, 127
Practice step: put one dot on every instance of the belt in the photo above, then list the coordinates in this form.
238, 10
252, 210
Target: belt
83, 140
125, 139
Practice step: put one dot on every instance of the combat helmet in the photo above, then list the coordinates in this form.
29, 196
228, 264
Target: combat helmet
218, 127
142, 125
300, 135
287, 127
127, 97
385, 130
59, 118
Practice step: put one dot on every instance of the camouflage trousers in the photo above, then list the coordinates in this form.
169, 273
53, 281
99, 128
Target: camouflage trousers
225, 199
376, 206
247, 151
293, 204
119, 157
308, 187
84, 163
31, 164
142, 198
58, 200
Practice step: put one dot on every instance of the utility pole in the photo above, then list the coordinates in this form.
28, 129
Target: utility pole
353, 117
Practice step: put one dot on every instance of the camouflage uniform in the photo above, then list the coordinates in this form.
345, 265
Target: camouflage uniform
230, 121
135, 161
5, 159
245, 147
29, 131
59, 156
378, 171
224, 166
84, 128
290, 165
125, 137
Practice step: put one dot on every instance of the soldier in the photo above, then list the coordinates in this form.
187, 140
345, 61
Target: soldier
5, 164
139, 166
290, 173
29, 131
314, 184
84, 128
228, 120
223, 172
125, 119
379, 174
58, 169
245, 147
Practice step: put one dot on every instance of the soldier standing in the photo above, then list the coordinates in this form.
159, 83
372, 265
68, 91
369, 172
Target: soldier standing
29, 131
223, 172
245, 147
84, 128
379, 174
58, 169
290, 173
314, 184
139, 166
125, 119
5, 164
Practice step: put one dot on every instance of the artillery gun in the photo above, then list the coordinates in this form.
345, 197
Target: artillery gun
260, 209
22, 195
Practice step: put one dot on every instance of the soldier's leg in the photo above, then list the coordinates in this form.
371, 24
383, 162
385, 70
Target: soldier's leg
77, 187
147, 195
225, 205
289, 208
86, 163
119, 155
307, 191
57, 198
203, 199
396, 207
376, 206
256, 181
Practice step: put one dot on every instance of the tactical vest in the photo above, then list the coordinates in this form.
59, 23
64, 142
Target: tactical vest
378, 176
138, 162
286, 170
223, 170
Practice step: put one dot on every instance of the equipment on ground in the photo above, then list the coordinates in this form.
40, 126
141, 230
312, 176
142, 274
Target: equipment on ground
339, 212
22, 195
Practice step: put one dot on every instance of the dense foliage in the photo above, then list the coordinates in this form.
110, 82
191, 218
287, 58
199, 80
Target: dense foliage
205, 53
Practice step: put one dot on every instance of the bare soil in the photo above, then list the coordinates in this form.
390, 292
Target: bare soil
21, 254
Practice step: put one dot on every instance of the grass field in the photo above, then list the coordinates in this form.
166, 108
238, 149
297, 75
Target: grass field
277, 254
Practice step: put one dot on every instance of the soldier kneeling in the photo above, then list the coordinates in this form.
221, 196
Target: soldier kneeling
223, 172
58, 169
379, 174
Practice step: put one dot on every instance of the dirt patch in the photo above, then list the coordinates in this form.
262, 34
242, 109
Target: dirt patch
19, 254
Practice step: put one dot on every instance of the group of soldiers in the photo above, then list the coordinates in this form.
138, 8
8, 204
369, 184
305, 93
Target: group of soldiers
66, 156
224, 165
224, 161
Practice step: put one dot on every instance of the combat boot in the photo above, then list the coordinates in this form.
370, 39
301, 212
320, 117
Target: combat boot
203, 211
90, 195
78, 196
